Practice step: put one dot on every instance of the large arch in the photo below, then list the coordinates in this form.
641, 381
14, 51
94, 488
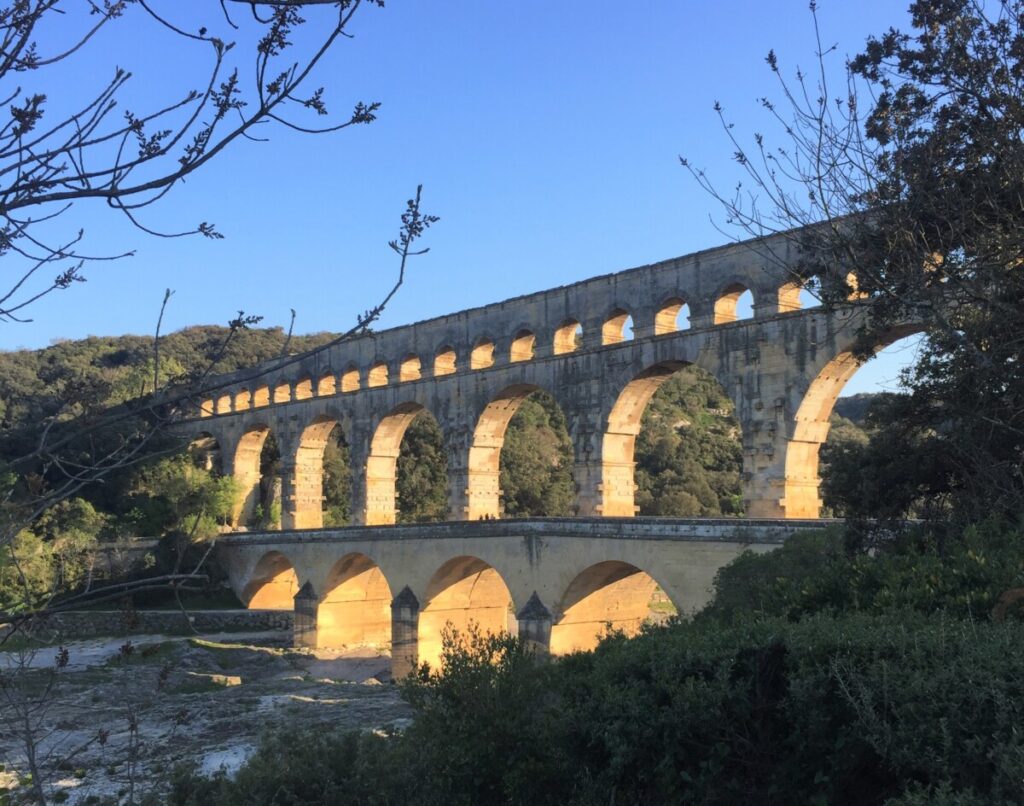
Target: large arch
483, 488
356, 607
607, 596
273, 585
382, 463
305, 508
247, 473
464, 591
800, 497
618, 446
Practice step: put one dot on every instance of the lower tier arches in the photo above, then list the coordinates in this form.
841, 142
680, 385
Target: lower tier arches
355, 609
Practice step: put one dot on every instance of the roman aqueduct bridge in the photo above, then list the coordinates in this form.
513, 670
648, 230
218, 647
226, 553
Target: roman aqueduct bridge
783, 368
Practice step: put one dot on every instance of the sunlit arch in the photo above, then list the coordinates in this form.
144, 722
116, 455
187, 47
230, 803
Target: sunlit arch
273, 584
378, 375
382, 463
727, 302
409, 369
666, 320
522, 347
614, 330
304, 389
482, 355
619, 442
567, 337
355, 609
350, 380
463, 591
327, 385
445, 361
811, 425
247, 472
484, 482
306, 504
610, 595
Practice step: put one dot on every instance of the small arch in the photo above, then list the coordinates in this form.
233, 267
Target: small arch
304, 389
853, 288
482, 355
568, 337
261, 397
463, 591
224, 404
444, 362
350, 380
522, 346
735, 302
673, 315
326, 386
409, 369
282, 393
206, 408
356, 607
243, 400
617, 327
273, 585
608, 596
378, 375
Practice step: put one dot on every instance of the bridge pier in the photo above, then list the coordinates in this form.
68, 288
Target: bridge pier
405, 627
535, 622
304, 617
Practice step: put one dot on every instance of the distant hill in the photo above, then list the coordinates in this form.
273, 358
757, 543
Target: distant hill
855, 407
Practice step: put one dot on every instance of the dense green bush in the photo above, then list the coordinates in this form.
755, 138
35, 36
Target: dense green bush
858, 709
915, 570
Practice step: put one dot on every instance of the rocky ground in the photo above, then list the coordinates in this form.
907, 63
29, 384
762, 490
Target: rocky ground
111, 720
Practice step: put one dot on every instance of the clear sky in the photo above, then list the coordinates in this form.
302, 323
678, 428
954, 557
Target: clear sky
546, 135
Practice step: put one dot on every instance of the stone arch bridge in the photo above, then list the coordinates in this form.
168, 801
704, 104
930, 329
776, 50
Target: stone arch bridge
783, 368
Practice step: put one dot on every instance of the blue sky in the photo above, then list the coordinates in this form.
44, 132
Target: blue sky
546, 136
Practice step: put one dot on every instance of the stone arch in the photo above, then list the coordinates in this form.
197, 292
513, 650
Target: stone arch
613, 331
410, 369
522, 348
350, 380
666, 319
355, 609
382, 463
482, 355
445, 361
619, 442
483, 489
567, 337
810, 426
282, 393
378, 375
223, 405
207, 408
305, 502
243, 400
261, 397
304, 389
611, 595
727, 301
327, 385
789, 297
273, 584
463, 591
247, 472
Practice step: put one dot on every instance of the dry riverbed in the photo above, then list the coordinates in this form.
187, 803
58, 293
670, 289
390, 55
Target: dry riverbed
202, 701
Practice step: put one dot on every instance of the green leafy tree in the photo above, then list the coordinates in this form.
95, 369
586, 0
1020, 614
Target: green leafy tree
910, 180
536, 461
422, 473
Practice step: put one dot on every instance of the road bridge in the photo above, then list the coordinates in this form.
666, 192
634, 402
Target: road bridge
558, 583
